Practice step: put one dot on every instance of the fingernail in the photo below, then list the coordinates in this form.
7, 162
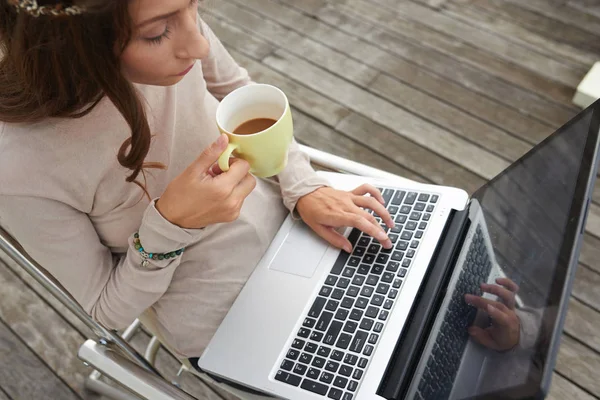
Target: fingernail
348, 249
491, 308
222, 139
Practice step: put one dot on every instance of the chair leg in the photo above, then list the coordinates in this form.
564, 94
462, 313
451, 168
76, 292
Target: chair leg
95, 385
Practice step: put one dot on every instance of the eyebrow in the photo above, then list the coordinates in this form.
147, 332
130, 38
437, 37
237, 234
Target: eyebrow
157, 18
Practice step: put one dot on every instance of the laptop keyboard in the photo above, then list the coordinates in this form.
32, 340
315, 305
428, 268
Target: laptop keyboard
338, 337
443, 363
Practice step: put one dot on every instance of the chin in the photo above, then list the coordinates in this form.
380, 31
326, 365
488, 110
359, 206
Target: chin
170, 81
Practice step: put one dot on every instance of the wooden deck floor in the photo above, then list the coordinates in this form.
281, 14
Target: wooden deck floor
442, 91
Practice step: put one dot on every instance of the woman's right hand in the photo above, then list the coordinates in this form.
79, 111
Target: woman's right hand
202, 195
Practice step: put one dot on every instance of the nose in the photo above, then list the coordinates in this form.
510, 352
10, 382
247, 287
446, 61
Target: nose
193, 44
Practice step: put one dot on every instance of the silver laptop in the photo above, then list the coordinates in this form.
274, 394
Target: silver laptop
314, 322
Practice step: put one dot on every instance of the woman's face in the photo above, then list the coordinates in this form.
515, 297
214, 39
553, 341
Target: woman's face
166, 41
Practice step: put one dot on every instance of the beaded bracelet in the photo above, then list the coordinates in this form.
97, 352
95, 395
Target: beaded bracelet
153, 256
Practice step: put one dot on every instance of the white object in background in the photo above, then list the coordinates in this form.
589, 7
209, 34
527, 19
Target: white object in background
588, 90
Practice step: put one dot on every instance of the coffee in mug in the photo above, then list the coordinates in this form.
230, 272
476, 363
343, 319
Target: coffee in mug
258, 122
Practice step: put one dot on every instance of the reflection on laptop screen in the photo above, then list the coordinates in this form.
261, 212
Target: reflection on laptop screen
516, 244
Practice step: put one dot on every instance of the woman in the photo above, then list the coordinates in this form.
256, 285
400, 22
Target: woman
107, 145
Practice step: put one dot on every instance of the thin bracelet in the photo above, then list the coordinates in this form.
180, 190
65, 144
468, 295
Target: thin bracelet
153, 256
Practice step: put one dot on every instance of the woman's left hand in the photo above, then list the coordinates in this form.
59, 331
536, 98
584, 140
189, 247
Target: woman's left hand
326, 209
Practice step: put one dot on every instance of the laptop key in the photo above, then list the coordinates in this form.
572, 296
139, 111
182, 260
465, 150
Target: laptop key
423, 225
423, 197
368, 350
318, 362
316, 336
362, 363
368, 259
359, 251
333, 332
377, 300
383, 315
287, 365
335, 394
343, 341
393, 266
356, 315
343, 283
393, 238
366, 324
305, 358
410, 253
415, 216
401, 218
419, 234
350, 359
337, 294
434, 198
393, 210
323, 351
346, 370
383, 288
397, 283
331, 280
372, 280
419, 206
426, 217
372, 312
392, 294
342, 314
430, 208
309, 322
317, 306
398, 256
387, 277
288, 378
300, 369
358, 373
353, 290
348, 272
402, 245
337, 355
414, 244
398, 197
387, 196
406, 235
332, 366
397, 228
311, 347
298, 344
347, 396
313, 373
361, 303
367, 291
325, 291
314, 387
363, 269
350, 326
326, 377
406, 263
402, 273
340, 382
293, 354
303, 332
373, 338
374, 248
383, 258
358, 280
388, 304
377, 269
359, 341
378, 327
410, 198
324, 321
411, 225
352, 386
364, 241
405, 210
332, 305
347, 302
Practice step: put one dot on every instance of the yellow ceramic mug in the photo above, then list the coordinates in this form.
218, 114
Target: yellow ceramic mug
266, 151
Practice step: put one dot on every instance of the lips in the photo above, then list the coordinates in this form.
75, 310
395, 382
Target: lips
186, 71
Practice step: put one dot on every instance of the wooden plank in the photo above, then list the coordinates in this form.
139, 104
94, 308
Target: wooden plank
320, 107
493, 139
349, 33
590, 252
23, 375
43, 330
591, 7
392, 117
551, 28
577, 363
562, 389
423, 105
486, 50
583, 323
518, 34
593, 220
4, 395
448, 92
559, 11
405, 152
585, 287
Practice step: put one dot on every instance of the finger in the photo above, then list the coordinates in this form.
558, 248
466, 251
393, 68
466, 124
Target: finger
482, 303
369, 189
238, 170
507, 283
506, 295
215, 170
483, 337
333, 237
361, 223
244, 188
498, 316
372, 204
210, 155
387, 243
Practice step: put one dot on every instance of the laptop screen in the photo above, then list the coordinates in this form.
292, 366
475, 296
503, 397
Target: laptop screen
494, 333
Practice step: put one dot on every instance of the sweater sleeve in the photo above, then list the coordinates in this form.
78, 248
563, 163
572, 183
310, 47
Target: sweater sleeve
113, 288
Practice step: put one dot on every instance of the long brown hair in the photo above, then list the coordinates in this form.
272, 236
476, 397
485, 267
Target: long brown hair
63, 66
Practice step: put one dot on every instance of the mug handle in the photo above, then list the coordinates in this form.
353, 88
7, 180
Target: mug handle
224, 158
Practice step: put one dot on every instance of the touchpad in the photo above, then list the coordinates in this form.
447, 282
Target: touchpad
301, 252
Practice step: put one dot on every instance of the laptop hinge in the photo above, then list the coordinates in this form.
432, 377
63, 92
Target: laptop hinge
409, 347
